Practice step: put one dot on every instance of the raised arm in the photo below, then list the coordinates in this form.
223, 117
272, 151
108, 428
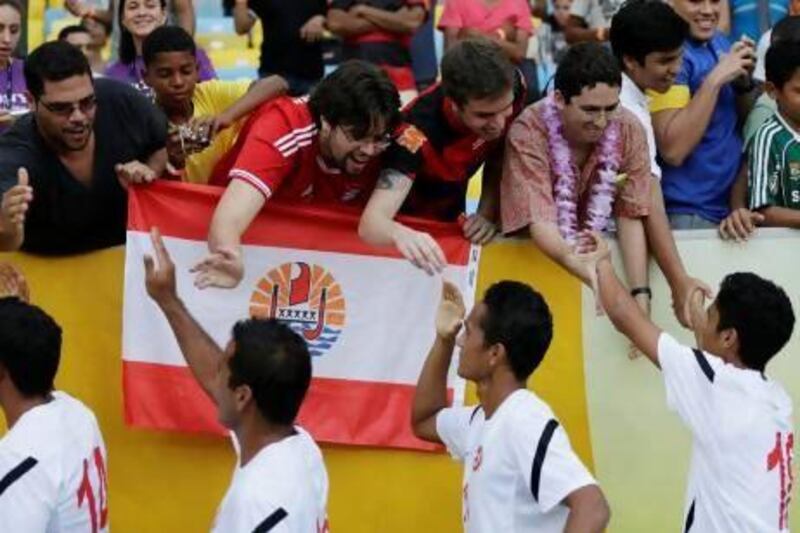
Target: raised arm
15, 204
184, 14
200, 351
430, 396
548, 239
243, 19
378, 226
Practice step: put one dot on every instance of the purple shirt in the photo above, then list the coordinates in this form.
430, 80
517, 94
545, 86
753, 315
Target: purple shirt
133, 73
12, 88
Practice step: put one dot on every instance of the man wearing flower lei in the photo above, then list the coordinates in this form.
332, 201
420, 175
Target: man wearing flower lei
575, 160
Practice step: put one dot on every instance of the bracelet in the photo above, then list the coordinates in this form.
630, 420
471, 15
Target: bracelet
642, 290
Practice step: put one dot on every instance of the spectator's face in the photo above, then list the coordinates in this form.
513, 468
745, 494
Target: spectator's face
659, 70
80, 40
488, 117
702, 16
141, 17
65, 113
474, 361
586, 115
350, 153
561, 11
97, 32
788, 98
172, 76
10, 27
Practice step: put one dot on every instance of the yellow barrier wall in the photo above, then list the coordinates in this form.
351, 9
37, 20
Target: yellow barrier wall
162, 482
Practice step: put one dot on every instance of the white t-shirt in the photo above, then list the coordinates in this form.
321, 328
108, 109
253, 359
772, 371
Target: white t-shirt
518, 465
741, 423
634, 100
760, 71
596, 13
283, 489
53, 471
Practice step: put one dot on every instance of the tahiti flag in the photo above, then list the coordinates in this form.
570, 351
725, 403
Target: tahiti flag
366, 313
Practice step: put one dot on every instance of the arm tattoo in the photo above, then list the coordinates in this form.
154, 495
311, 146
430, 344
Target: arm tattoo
389, 179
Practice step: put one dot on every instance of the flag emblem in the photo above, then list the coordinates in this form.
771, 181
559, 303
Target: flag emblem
307, 298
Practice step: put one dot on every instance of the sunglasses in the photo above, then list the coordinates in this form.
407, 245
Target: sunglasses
65, 109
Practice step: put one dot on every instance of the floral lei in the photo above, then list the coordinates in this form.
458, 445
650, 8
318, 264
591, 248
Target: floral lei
566, 187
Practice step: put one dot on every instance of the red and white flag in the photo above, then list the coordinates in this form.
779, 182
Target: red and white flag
366, 313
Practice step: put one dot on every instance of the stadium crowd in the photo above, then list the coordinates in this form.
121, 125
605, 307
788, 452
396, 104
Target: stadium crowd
640, 118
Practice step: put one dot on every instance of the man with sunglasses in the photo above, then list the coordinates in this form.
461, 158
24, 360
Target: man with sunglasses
308, 150
448, 133
577, 158
64, 167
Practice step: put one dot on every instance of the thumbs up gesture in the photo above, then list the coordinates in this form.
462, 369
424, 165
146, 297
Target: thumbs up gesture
16, 202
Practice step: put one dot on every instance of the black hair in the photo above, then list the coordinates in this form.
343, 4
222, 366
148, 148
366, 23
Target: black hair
275, 363
476, 69
358, 95
66, 31
584, 66
782, 61
167, 39
518, 318
642, 27
787, 29
16, 6
54, 61
127, 50
761, 314
30, 347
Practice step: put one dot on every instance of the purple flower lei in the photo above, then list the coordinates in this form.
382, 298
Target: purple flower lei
602, 191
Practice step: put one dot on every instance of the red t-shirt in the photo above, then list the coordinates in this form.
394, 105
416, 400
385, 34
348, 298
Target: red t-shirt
278, 153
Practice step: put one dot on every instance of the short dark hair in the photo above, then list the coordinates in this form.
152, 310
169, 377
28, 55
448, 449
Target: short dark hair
358, 95
167, 39
782, 61
30, 347
518, 318
66, 31
127, 50
787, 29
16, 5
761, 314
584, 66
642, 27
54, 61
476, 69
275, 363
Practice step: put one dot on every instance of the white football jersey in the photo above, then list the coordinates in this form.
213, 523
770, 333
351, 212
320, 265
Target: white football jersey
283, 489
740, 479
518, 465
53, 471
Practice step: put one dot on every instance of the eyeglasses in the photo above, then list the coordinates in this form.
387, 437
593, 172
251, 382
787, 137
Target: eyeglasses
380, 143
65, 109
594, 112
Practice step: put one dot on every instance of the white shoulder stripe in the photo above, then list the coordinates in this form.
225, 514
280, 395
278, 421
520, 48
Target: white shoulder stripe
306, 138
294, 134
252, 179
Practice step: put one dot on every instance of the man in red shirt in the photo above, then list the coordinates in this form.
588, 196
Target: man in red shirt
380, 31
448, 133
311, 149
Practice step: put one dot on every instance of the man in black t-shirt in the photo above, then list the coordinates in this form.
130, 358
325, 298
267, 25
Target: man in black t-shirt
65, 166
292, 46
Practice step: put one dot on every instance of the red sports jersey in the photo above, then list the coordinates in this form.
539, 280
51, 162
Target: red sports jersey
278, 154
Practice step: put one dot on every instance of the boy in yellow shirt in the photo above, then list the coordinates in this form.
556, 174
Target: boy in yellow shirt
204, 118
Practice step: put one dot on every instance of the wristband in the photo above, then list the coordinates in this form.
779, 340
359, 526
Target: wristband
642, 290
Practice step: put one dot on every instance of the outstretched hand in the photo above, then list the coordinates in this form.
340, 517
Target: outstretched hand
223, 269
591, 248
451, 312
160, 278
12, 283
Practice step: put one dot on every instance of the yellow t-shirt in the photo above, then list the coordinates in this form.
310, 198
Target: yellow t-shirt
210, 99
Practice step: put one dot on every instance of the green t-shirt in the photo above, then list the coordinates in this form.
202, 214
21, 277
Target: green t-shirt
774, 165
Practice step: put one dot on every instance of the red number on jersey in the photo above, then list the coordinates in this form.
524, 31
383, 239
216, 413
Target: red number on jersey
87, 494
781, 457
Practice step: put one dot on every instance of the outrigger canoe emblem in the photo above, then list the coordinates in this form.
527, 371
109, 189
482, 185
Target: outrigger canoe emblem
307, 298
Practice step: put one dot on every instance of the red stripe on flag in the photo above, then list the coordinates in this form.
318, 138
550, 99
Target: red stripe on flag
337, 411
184, 211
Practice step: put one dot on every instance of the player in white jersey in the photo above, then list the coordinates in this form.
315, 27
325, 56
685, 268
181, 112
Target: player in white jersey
740, 479
520, 473
258, 384
52, 459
